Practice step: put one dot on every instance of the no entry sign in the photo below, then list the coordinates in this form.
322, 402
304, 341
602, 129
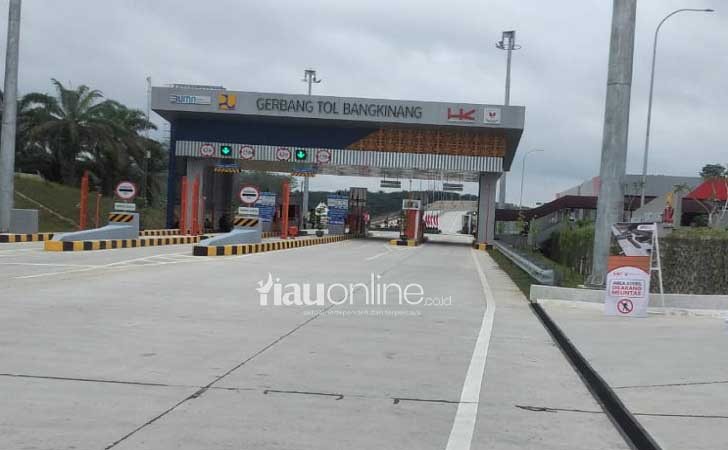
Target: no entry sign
249, 194
126, 190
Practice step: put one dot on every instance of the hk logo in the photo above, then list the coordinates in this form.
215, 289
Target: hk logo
460, 115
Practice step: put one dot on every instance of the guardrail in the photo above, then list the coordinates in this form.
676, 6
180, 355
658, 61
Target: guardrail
543, 276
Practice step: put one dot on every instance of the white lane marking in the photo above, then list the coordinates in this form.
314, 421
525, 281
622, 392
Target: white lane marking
461, 434
43, 264
378, 255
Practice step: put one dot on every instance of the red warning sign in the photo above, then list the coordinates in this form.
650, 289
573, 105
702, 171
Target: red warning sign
625, 306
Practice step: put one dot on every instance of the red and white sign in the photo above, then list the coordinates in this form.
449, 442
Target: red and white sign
247, 152
283, 154
492, 115
628, 286
249, 194
207, 150
460, 115
323, 156
126, 190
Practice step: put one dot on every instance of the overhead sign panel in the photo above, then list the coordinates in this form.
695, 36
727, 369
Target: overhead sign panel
338, 108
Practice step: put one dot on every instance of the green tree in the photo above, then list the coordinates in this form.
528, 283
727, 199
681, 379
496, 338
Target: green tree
713, 171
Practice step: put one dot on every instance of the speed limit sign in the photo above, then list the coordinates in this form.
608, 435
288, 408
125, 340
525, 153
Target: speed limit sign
249, 195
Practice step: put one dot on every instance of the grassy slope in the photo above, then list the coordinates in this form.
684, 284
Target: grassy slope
65, 201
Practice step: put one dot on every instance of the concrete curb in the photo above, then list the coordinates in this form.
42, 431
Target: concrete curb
163, 232
633, 432
405, 243
244, 249
8, 238
667, 311
674, 301
108, 244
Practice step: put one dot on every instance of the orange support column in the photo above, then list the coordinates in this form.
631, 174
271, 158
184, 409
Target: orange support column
196, 206
183, 207
83, 213
285, 192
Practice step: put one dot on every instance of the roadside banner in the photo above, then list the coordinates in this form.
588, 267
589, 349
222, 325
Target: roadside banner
628, 276
338, 209
266, 205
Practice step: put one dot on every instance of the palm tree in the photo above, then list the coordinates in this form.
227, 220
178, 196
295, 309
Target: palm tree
72, 123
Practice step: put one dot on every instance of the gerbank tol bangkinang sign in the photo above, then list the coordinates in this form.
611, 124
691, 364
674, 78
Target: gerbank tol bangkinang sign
339, 107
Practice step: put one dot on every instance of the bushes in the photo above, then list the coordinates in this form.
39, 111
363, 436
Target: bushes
572, 247
695, 261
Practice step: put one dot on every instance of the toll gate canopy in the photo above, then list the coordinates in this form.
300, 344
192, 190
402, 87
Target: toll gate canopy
462, 142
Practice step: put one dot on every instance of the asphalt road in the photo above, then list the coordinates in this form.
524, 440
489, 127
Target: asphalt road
152, 348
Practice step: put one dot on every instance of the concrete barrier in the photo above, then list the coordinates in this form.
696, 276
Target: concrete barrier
247, 230
596, 296
121, 226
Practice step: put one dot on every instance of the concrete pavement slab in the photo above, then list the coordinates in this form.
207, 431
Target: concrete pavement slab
671, 372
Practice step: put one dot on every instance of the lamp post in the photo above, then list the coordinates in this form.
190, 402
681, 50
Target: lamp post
507, 43
652, 86
523, 173
309, 76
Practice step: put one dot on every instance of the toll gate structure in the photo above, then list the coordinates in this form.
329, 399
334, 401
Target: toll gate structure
211, 127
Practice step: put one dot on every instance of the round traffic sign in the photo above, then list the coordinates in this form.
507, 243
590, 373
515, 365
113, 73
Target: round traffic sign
323, 156
625, 306
207, 150
249, 194
126, 190
283, 154
247, 152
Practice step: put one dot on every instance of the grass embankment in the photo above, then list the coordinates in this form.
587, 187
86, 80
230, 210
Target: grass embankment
519, 277
62, 205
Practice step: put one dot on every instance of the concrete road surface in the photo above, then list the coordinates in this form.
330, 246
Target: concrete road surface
152, 348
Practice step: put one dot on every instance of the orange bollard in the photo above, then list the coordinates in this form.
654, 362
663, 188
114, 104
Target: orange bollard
83, 213
183, 207
98, 209
196, 206
285, 192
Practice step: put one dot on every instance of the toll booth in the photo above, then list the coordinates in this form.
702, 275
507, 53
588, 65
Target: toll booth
357, 212
412, 225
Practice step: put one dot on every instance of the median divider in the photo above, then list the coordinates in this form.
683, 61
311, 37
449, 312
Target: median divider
7, 238
163, 232
108, 244
404, 242
244, 249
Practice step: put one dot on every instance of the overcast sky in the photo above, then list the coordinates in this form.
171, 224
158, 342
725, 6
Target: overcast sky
417, 50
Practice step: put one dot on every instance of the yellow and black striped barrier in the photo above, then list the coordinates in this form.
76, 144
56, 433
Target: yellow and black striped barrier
108, 244
120, 217
245, 221
482, 246
165, 232
270, 234
244, 249
6, 238
405, 242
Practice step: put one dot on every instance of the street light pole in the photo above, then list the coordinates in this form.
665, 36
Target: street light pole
649, 102
507, 43
523, 174
10, 115
309, 76
147, 151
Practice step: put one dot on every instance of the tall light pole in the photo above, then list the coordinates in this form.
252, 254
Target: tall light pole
610, 202
507, 43
309, 76
523, 173
147, 151
10, 114
652, 86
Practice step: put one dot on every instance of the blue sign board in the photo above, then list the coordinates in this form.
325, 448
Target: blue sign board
266, 205
338, 209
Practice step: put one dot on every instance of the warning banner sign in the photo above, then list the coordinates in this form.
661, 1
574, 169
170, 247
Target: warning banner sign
628, 287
